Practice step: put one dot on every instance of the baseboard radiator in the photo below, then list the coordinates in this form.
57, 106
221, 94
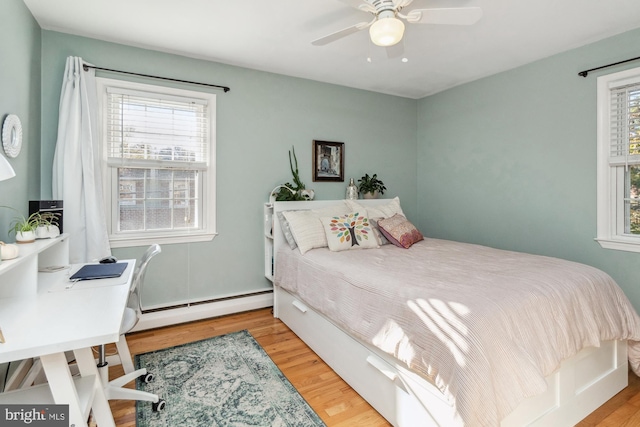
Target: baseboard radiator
189, 312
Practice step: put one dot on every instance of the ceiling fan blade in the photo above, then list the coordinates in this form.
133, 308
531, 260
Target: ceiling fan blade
340, 34
445, 16
399, 4
395, 51
360, 5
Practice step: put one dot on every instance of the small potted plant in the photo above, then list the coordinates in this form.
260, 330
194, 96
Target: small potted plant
35, 226
371, 187
47, 226
25, 227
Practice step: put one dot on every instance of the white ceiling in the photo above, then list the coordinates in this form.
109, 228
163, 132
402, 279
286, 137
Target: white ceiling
276, 36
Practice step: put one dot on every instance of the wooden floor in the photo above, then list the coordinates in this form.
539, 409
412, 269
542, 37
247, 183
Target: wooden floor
332, 399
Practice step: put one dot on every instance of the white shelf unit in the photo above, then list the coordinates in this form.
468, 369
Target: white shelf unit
268, 241
20, 277
21, 280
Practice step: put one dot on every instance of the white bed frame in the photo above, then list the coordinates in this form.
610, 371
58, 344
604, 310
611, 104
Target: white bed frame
582, 384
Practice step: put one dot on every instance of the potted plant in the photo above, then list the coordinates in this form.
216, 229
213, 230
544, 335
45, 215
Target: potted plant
27, 230
25, 227
295, 191
47, 226
371, 187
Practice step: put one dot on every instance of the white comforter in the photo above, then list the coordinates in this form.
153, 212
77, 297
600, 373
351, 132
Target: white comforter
485, 325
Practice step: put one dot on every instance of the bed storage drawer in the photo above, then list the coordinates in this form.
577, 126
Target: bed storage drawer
377, 380
585, 381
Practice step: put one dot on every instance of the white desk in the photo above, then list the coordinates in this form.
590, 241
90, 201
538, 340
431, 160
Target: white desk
55, 320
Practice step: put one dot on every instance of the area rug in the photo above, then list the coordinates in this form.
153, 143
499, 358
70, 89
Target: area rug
227, 380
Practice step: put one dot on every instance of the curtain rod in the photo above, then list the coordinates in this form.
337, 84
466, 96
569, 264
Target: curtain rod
586, 72
86, 68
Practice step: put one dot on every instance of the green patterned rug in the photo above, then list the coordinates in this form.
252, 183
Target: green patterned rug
227, 380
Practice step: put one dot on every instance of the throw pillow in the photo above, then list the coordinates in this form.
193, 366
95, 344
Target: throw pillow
286, 231
400, 231
350, 231
306, 227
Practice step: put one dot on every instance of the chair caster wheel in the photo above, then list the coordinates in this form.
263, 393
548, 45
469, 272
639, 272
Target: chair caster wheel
147, 378
159, 405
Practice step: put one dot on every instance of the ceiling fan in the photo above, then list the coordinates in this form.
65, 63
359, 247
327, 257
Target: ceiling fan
386, 28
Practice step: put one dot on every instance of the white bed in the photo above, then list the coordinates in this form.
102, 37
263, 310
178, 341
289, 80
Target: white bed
408, 396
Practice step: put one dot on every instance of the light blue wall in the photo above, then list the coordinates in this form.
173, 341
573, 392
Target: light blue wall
20, 95
510, 160
259, 120
506, 161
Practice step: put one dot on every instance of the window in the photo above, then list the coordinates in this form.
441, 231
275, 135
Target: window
619, 160
158, 146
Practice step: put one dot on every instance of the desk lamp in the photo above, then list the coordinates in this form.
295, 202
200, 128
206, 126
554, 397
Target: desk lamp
6, 171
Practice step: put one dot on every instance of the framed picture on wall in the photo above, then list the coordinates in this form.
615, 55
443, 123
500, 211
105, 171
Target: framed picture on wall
328, 161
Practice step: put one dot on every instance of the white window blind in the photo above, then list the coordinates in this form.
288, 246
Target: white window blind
625, 125
159, 148
156, 130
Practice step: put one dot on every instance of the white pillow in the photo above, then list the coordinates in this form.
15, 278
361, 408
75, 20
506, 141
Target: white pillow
307, 228
349, 231
379, 211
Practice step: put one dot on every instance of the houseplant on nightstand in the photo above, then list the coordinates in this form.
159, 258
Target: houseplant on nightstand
371, 187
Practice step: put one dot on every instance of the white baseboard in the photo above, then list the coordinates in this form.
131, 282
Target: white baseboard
173, 316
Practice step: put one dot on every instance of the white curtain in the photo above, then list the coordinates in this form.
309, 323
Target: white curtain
77, 176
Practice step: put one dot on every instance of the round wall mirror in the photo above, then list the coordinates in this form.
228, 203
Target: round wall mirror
12, 135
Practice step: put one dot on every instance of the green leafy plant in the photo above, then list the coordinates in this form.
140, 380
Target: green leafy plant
292, 191
371, 184
22, 224
47, 219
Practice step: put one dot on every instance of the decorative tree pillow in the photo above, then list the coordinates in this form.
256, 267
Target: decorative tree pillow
349, 231
400, 231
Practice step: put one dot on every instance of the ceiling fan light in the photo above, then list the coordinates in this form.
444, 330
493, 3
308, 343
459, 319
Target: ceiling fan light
386, 31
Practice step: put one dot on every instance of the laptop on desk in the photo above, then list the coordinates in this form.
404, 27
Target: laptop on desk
99, 271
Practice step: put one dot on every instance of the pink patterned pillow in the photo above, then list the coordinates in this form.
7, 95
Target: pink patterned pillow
400, 231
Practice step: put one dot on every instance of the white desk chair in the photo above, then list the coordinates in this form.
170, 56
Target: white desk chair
115, 389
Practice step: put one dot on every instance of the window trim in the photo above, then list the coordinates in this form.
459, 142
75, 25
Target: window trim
110, 179
610, 179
